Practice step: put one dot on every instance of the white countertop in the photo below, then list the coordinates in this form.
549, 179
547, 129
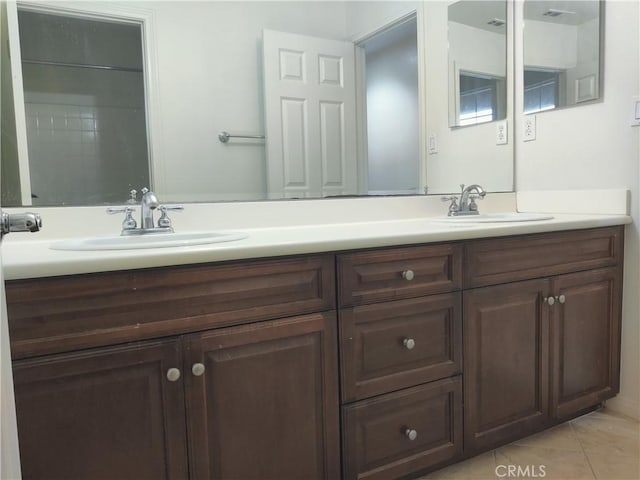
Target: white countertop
32, 257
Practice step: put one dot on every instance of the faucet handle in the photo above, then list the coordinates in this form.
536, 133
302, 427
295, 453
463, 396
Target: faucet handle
133, 196
453, 207
164, 221
129, 222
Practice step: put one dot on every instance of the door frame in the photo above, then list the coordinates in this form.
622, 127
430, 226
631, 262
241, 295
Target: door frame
361, 95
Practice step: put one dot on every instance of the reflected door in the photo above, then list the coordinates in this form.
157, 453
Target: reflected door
309, 86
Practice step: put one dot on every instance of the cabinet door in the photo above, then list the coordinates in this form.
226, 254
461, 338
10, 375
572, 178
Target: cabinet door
262, 402
585, 338
102, 414
505, 362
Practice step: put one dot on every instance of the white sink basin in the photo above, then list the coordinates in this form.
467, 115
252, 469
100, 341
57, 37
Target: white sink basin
155, 240
495, 218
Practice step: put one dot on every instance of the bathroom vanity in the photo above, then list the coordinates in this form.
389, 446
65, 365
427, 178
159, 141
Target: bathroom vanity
374, 363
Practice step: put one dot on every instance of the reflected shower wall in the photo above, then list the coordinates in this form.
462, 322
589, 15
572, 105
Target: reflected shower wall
85, 109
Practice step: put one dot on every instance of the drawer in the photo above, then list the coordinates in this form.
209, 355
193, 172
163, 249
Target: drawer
393, 345
379, 440
65, 313
503, 260
395, 273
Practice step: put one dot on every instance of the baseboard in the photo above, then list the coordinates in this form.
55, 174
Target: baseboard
625, 406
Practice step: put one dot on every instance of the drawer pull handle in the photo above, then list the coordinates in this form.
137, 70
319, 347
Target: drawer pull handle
561, 298
197, 369
173, 374
411, 434
409, 343
408, 275
549, 300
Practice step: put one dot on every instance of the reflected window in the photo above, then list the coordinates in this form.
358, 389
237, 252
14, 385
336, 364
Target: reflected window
85, 108
541, 90
478, 98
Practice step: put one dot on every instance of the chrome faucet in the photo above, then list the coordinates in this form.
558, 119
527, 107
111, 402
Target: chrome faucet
148, 204
467, 203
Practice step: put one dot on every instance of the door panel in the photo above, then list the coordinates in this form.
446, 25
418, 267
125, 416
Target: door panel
104, 413
505, 362
585, 336
309, 87
266, 406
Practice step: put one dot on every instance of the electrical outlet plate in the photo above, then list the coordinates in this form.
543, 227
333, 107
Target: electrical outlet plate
529, 128
502, 136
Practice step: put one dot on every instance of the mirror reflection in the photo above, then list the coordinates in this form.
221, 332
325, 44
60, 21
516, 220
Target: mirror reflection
477, 62
561, 53
318, 99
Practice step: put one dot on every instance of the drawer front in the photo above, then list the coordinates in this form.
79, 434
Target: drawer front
391, 274
389, 346
66, 313
493, 261
379, 441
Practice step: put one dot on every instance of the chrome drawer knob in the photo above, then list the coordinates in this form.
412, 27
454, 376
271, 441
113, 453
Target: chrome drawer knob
550, 300
408, 275
409, 343
411, 434
173, 374
562, 298
197, 369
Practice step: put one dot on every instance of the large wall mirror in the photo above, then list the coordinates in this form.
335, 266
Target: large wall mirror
562, 53
238, 100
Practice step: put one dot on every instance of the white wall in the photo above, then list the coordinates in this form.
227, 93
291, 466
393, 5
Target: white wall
593, 146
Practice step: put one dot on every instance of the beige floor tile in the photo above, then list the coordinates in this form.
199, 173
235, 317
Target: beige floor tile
562, 437
547, 463
481, 467
614, 467
612, 435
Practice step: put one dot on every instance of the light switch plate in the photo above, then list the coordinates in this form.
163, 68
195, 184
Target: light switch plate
635, 111
432, 144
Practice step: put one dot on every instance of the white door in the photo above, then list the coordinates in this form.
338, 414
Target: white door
309, 90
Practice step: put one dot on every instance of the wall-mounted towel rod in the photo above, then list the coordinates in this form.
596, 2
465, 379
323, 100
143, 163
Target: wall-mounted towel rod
225, 136
82, 65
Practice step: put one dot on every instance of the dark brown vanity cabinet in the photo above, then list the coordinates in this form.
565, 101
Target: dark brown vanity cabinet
539, 351
255, 400
232, 370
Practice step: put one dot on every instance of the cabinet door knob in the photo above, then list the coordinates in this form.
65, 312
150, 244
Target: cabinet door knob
197, 369
409, 343
561, 298
411, 434
549, 300
173, 374
408, 275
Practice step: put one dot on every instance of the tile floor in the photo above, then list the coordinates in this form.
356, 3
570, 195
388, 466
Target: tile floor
601, 445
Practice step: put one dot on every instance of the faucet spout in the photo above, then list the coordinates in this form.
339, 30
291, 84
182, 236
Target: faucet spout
466, 193
148, 204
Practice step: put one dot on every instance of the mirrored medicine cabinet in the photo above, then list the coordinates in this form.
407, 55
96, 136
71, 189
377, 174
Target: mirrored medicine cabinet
562, 53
